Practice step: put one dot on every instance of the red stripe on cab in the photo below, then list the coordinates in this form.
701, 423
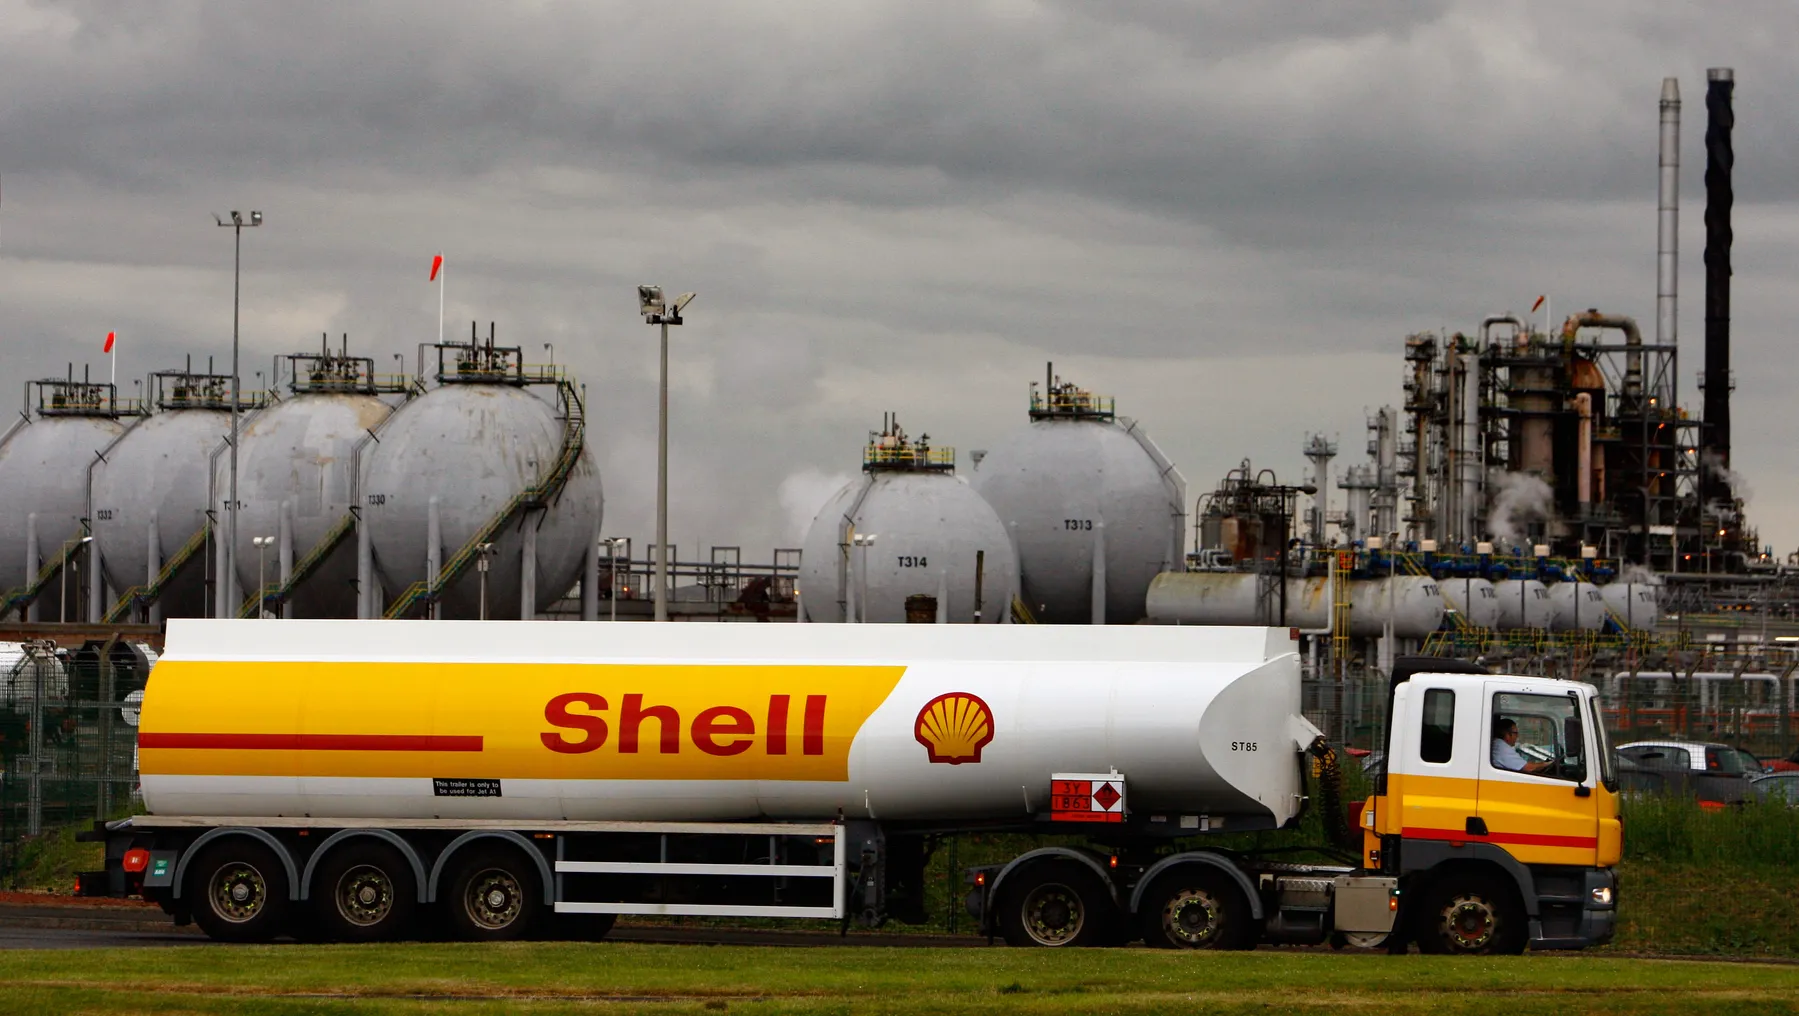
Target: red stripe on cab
1521, 839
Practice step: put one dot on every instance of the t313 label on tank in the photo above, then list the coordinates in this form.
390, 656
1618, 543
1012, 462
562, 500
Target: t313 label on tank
464, 788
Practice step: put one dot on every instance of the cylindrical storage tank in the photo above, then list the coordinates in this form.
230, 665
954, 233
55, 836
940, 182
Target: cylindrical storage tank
1576, 606
158, 475
43, 471
301, 452
23, 679
928, 528
1413, 602
1473, 598
472, 448
1079, 474
1523, 603
719, 722
1636, 605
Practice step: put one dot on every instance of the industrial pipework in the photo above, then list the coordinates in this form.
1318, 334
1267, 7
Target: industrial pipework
1720, 160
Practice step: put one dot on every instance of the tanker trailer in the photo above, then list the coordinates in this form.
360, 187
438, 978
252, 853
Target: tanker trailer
506, 775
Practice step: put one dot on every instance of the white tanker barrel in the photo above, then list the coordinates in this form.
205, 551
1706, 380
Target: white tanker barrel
1523, 603
1474, 598
1634, 605
539, 720
1413, 602
1576, 606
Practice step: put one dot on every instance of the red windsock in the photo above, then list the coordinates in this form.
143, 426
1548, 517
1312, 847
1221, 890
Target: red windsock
437, 262
1533, 307
111, 337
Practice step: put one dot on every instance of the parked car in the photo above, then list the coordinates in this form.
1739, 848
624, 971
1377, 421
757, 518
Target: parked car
1776, 788
1790, 764
1714, 774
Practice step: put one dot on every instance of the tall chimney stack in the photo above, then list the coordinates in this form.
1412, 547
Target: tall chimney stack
1719, 160
1667, 227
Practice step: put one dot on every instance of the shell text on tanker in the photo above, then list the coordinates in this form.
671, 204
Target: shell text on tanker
717, 730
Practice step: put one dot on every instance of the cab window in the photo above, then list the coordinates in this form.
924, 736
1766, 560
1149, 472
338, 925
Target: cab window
1550, 736
1436, 736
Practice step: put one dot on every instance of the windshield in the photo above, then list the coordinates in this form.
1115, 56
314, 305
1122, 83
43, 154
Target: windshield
1731, 761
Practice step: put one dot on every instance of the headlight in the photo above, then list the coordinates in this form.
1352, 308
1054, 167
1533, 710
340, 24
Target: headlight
1603, 894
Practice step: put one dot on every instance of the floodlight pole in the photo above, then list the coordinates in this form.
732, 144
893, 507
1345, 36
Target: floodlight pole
662, 482
236, 225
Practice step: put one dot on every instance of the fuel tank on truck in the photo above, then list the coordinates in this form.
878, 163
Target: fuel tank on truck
1414, 603
542, 720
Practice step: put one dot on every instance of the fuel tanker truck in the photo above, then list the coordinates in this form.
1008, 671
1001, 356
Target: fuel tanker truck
351, 780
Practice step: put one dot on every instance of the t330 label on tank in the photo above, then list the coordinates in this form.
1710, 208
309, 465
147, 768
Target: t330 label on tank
441, 787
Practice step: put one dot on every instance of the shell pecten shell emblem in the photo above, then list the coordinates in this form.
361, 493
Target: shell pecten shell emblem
954, 727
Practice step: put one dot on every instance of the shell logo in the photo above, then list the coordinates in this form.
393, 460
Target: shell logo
954, 727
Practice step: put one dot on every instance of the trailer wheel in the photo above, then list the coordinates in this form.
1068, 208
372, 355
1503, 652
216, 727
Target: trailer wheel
364, 893
1470, 915
1197, 908
494, 895
1056, 904
238, 891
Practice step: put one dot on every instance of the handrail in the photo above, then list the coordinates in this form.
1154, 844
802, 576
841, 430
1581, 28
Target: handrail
149, 593
1021, 612
574, 433
279, 590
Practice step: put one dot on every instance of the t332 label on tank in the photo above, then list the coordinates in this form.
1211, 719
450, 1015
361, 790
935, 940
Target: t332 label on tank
441, 787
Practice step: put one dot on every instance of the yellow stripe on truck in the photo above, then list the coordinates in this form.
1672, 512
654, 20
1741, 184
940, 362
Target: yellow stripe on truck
508, 720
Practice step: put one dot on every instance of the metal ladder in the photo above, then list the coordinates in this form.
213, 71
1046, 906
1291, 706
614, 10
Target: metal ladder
137, 595
279, 591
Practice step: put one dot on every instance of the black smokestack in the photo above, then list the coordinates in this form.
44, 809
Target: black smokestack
1719, 160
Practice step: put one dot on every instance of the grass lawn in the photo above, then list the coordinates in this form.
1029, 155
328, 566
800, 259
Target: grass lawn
621, 977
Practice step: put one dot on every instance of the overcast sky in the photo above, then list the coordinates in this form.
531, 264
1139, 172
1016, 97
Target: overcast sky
1227, 215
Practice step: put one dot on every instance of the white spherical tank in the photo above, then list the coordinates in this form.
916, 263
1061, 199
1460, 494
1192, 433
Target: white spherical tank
299, 453
928, 528
1475, 599
1523, 603
473, 448
1576, 606
43, 472
157, 477
1636, 605
1414, 603
1077, 477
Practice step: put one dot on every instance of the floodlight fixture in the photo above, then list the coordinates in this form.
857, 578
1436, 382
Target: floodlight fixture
649, 301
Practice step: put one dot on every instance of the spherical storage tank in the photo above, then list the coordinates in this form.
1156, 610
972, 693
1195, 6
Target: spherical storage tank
301, 452
156, 479
43, 471
928, 527
473, 445
1413, 603
1082, 490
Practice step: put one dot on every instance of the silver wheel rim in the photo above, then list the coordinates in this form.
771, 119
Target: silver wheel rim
1053, 915
1468, 923
495, 899
365, 896
1192, 918
237, 892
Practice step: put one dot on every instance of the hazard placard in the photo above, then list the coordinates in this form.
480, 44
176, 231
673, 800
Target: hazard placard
1086, 797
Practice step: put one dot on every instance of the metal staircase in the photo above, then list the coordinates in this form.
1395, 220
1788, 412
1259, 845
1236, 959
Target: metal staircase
137, 595
279, 591
23, 596
538, 495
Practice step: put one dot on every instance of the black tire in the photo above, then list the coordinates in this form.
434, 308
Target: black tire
494, 895
1470, 915
1197, 908
363, 892
238, 891
1056, 904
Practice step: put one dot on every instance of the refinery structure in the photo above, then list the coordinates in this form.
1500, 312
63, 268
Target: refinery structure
1540, 495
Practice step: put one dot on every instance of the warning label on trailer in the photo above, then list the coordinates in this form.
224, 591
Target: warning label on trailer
441, 787
1079, 797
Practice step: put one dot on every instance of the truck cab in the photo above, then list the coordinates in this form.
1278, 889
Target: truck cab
1497, 814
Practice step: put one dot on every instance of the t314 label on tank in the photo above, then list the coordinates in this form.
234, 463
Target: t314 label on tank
464, 788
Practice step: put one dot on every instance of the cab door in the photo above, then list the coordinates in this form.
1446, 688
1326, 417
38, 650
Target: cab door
1432, 765
1549, 816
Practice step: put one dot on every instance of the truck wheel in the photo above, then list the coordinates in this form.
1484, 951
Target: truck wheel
238, 889
494, 895
1056, 904
1471, 916
365, 892
1197, 909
